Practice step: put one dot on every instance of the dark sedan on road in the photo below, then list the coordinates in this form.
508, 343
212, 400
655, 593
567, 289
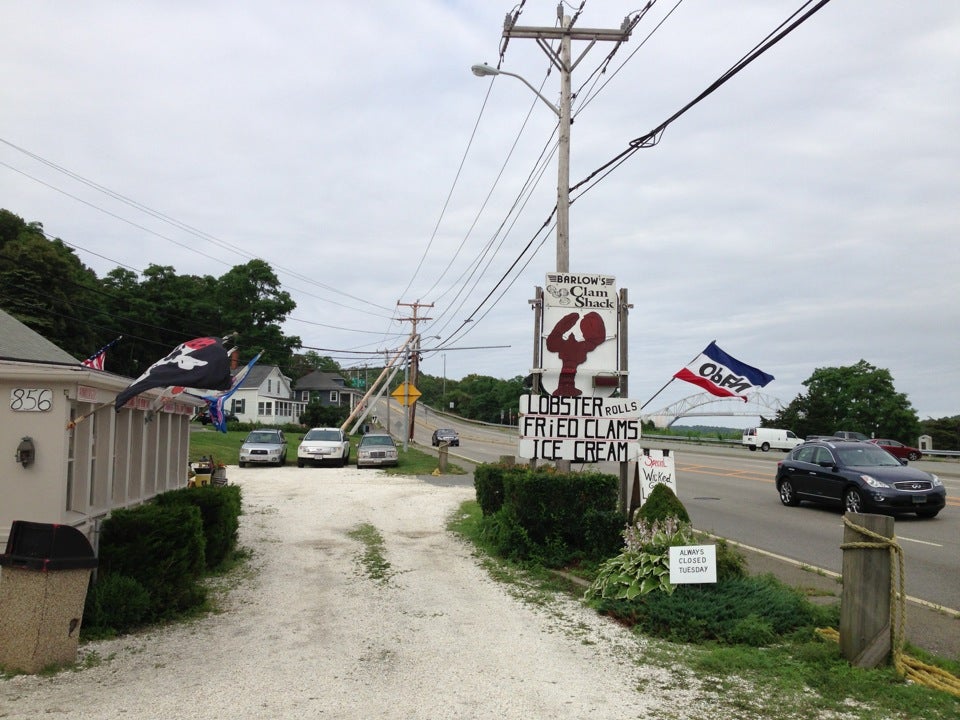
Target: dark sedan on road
859, 476
445, 435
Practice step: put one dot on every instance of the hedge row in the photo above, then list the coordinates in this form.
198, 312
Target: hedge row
549, 517
152, 557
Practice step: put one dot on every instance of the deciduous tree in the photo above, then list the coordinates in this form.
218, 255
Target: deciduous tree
857, 397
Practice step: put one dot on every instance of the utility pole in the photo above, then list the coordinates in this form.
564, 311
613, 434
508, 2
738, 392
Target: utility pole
411, 409
562, 60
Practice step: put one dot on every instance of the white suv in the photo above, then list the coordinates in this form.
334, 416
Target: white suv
324, 445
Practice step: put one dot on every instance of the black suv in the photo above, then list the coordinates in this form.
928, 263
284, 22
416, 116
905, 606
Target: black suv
445, 435
860, 476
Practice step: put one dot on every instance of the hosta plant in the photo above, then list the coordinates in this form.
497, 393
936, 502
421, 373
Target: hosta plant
644, 564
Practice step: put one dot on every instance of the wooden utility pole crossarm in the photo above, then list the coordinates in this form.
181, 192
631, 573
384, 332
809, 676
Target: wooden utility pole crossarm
574, 33
563, 61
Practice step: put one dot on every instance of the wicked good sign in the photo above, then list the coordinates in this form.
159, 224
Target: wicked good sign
579, 429
653, 467
656, 467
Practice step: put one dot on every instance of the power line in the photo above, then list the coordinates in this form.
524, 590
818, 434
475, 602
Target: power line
653, 137
159, 216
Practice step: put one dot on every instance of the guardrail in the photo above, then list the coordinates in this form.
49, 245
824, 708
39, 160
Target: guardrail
700, 439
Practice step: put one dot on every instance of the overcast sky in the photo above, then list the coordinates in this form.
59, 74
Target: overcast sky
805, 215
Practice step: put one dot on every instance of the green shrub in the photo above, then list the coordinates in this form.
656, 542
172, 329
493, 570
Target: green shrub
748, 611
731, 563
602, 532
488, 482
548, 517
116, 603
660, 505
506, 537
220, 508
316, 414
162, 547
644, 564
562, 516
751, 630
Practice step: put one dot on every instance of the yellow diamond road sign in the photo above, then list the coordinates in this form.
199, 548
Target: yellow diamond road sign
406, 394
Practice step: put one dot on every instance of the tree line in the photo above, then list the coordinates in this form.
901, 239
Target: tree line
45, 285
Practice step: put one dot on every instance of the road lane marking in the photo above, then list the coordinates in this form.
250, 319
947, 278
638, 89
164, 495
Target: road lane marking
922, 542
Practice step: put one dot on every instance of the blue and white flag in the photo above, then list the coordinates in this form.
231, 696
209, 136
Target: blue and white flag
722, 374
216, 403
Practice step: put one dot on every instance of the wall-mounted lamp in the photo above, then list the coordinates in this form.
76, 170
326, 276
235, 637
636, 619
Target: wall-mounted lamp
26, 453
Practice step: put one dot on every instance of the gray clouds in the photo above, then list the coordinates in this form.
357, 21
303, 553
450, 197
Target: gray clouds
803, 216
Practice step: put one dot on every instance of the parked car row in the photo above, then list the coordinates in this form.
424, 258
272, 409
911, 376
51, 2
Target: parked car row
321, 445
859, 476
268, 446
377, 450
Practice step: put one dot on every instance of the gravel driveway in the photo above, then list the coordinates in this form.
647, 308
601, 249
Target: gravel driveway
305, 632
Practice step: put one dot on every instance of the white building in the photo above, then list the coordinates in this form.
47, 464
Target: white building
265, 397
78, 474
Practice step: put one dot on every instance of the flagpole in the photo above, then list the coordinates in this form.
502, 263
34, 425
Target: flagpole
73, 423
671, 380
657, 393
100, 352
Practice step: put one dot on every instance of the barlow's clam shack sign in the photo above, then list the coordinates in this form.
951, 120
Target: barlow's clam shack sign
579, 429
579, 351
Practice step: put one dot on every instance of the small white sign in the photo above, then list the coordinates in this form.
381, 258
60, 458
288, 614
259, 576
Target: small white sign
693, 564
654, 467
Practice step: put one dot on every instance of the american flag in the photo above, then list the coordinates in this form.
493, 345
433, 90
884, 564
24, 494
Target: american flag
97, 360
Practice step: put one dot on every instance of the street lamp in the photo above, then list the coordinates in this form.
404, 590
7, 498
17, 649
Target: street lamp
563, 152
485, 70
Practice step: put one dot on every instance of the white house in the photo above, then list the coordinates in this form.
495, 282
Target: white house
265, 397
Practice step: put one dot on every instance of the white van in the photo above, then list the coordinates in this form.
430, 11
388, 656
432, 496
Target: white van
766, 438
